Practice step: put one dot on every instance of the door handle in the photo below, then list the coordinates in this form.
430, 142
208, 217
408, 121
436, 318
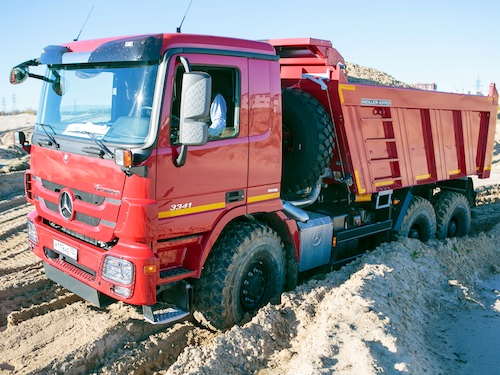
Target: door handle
235, 196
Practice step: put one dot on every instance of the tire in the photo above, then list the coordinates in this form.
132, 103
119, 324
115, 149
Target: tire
244, 271
453, 215
419, 221
308, 140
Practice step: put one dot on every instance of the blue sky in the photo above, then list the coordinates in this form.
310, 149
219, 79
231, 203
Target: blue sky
450, 42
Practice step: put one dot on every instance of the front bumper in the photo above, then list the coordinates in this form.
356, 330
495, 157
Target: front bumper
83, 276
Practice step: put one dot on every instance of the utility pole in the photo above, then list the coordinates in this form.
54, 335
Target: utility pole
14, 103
478, 85
4, 104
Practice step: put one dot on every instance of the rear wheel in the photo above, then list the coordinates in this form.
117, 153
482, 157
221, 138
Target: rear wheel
419, 221
452, 215
244, 271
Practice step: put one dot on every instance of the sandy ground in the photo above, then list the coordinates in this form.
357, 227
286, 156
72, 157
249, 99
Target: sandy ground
405, 307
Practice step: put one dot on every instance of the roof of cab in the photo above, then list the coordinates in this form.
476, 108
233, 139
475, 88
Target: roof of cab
150, 47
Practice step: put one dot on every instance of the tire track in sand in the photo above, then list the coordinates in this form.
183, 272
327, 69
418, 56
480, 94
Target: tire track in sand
12, 221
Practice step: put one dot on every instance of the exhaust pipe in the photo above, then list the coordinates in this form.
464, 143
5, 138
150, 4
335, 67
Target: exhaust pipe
294, 209
310, 199
295, 213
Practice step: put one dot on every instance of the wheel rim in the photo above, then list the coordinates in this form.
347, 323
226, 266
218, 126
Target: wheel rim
452, 228
254, 285
414, 233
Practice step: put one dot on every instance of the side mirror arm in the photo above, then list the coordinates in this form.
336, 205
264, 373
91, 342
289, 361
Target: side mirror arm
185, 64
23, 67
180, 160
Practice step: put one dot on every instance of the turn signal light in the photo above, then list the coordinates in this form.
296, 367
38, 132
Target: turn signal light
150, 269
123, 158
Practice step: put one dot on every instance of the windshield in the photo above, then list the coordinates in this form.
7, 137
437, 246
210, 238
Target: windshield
110, 103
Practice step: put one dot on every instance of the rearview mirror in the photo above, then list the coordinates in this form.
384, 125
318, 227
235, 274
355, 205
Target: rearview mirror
18, 75
59, 86
195, 108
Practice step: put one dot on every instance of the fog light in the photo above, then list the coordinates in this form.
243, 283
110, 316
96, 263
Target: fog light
119, 270
121, 290
33, 237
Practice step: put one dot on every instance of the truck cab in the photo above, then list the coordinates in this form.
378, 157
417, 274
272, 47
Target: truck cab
125, 204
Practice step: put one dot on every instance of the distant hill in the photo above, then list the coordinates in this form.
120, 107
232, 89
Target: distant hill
370, 76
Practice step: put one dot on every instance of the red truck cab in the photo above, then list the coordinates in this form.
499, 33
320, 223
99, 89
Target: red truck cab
126, 230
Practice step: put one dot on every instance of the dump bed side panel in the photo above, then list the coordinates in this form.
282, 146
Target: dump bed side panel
393, 138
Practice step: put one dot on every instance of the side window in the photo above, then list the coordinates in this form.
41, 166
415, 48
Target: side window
225, 107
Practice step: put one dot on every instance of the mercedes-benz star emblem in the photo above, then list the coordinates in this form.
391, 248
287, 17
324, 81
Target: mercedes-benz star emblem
66, 205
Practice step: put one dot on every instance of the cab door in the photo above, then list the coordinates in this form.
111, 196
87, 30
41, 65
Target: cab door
213, 180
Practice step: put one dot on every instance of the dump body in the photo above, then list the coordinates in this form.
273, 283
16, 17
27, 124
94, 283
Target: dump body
394, 138
388, 137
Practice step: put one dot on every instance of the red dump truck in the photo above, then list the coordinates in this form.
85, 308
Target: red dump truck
134, 201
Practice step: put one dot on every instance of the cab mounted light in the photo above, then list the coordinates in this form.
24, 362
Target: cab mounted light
126, 160
123, 158
19, 138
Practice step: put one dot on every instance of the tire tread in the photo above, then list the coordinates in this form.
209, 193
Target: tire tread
213, 289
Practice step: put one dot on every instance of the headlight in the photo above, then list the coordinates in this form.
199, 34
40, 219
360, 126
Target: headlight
119, 270
33, 237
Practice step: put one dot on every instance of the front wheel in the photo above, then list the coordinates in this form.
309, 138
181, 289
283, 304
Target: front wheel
244, 271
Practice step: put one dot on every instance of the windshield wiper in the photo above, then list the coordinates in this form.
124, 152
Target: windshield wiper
102, 147
47, 142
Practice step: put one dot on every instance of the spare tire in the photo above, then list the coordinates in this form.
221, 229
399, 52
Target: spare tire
308, 141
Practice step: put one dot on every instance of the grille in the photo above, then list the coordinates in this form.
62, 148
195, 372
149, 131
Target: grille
91, 198
83, 218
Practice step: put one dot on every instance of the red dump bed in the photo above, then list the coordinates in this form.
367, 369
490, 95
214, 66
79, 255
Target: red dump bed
387, 137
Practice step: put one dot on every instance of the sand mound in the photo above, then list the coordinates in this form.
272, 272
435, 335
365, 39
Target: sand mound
375, 315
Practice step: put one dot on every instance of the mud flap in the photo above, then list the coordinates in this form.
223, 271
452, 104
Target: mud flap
401, 211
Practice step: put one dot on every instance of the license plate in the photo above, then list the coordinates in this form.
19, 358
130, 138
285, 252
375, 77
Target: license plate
67, 250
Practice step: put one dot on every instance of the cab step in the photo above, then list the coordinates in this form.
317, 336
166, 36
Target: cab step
159, 314
176, 273
173, 303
